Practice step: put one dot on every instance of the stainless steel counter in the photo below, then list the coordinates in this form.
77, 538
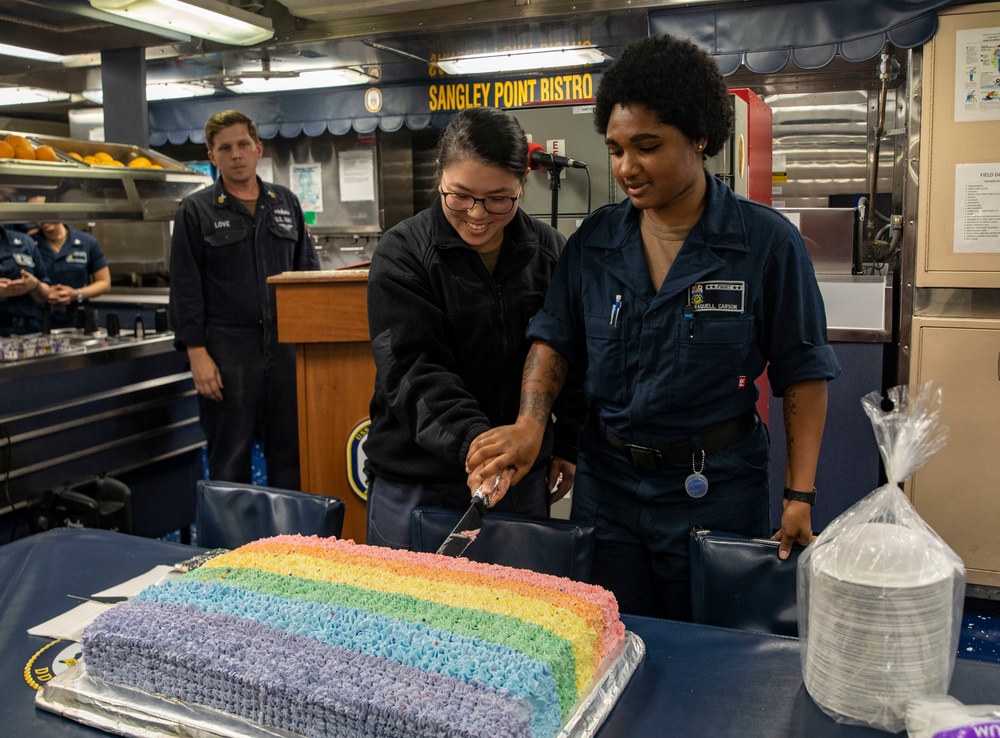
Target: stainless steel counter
158, 296
87, 351
122, 406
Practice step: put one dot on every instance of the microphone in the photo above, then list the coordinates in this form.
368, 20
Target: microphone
538, 157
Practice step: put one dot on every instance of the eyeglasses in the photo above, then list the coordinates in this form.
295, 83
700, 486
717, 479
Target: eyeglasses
465, 203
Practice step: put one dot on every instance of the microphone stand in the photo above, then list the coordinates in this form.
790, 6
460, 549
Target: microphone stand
555, 177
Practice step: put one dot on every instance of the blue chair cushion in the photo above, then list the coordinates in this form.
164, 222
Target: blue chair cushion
550, 546
739, 582
229, 515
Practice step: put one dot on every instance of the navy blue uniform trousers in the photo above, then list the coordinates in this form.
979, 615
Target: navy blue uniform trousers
644, 519
259, 402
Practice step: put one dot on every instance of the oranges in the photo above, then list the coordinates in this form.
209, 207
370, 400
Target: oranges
22, 147
18, 147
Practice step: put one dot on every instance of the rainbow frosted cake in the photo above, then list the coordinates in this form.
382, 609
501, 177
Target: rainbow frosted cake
324, 637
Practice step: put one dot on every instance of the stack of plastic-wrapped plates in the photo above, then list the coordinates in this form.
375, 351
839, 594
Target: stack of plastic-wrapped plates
879, 623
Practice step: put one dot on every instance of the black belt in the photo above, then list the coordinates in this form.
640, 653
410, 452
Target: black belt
714, 439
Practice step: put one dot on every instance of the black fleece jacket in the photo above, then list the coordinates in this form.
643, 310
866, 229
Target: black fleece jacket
449, 343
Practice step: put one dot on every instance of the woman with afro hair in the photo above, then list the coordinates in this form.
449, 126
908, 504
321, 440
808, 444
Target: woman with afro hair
673, 302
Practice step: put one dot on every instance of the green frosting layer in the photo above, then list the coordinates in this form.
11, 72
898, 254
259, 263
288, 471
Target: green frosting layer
532, 640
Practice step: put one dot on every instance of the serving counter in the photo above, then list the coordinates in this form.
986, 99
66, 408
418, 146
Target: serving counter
694, 680
124, 407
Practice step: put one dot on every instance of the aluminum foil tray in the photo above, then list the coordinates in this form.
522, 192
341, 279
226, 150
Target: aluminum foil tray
124, 711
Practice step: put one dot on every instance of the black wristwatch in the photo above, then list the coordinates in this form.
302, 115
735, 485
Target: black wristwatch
792, 494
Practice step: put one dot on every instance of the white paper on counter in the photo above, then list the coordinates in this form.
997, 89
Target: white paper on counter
135, 585
70, 625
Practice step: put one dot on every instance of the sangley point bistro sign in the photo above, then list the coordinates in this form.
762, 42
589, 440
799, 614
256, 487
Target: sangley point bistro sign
511, 93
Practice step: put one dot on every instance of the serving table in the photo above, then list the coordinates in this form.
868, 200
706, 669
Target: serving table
695, 680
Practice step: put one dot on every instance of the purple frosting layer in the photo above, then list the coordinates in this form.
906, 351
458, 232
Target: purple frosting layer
286, 680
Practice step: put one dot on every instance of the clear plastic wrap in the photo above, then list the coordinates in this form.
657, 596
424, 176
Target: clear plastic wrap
946, 717
880, 594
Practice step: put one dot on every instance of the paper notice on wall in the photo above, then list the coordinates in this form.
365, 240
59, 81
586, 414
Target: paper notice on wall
977, 64
357, 176
307, 183
265, 169
977, 208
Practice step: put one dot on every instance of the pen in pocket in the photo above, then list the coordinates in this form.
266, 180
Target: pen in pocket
689, 314
616, 307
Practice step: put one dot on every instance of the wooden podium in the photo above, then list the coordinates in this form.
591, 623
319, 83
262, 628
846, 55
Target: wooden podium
325, 314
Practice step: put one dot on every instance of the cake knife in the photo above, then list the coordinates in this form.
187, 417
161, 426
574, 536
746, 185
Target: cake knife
466, 529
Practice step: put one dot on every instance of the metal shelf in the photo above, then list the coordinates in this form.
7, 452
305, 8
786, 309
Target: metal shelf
72, 190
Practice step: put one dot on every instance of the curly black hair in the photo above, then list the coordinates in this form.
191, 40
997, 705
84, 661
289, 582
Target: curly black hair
677, 81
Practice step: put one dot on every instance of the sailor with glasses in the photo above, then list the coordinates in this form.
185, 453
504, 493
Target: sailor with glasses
450, 294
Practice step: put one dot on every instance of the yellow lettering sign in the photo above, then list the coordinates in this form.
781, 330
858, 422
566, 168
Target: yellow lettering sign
512, 93
459, 96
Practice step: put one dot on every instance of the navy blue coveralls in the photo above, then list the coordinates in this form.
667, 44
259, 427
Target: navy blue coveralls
663, 367
20, 315
221, 257
79, 258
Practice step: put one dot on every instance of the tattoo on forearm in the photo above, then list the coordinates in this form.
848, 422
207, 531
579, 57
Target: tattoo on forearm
788, 413
531, 363
556, 370
537, 405
542, 383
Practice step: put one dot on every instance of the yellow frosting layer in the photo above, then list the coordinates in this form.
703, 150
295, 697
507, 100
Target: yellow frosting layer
382, 575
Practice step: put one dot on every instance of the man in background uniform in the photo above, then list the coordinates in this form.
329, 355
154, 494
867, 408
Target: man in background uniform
23, 285
228, 239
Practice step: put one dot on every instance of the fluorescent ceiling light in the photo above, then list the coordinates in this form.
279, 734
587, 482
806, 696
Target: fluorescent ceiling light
209, 19
305, 80
22, 53
162, 91
27, 95
517, 61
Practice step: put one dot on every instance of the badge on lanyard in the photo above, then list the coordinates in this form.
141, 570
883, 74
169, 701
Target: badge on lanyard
696, 484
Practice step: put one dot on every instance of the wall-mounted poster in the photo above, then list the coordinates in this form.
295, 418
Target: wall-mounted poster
357, 175
307, 183
977, 64
977, 208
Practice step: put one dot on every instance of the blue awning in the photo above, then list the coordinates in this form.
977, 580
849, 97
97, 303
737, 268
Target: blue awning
291, 114
761, 35
764, 36
365, 109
